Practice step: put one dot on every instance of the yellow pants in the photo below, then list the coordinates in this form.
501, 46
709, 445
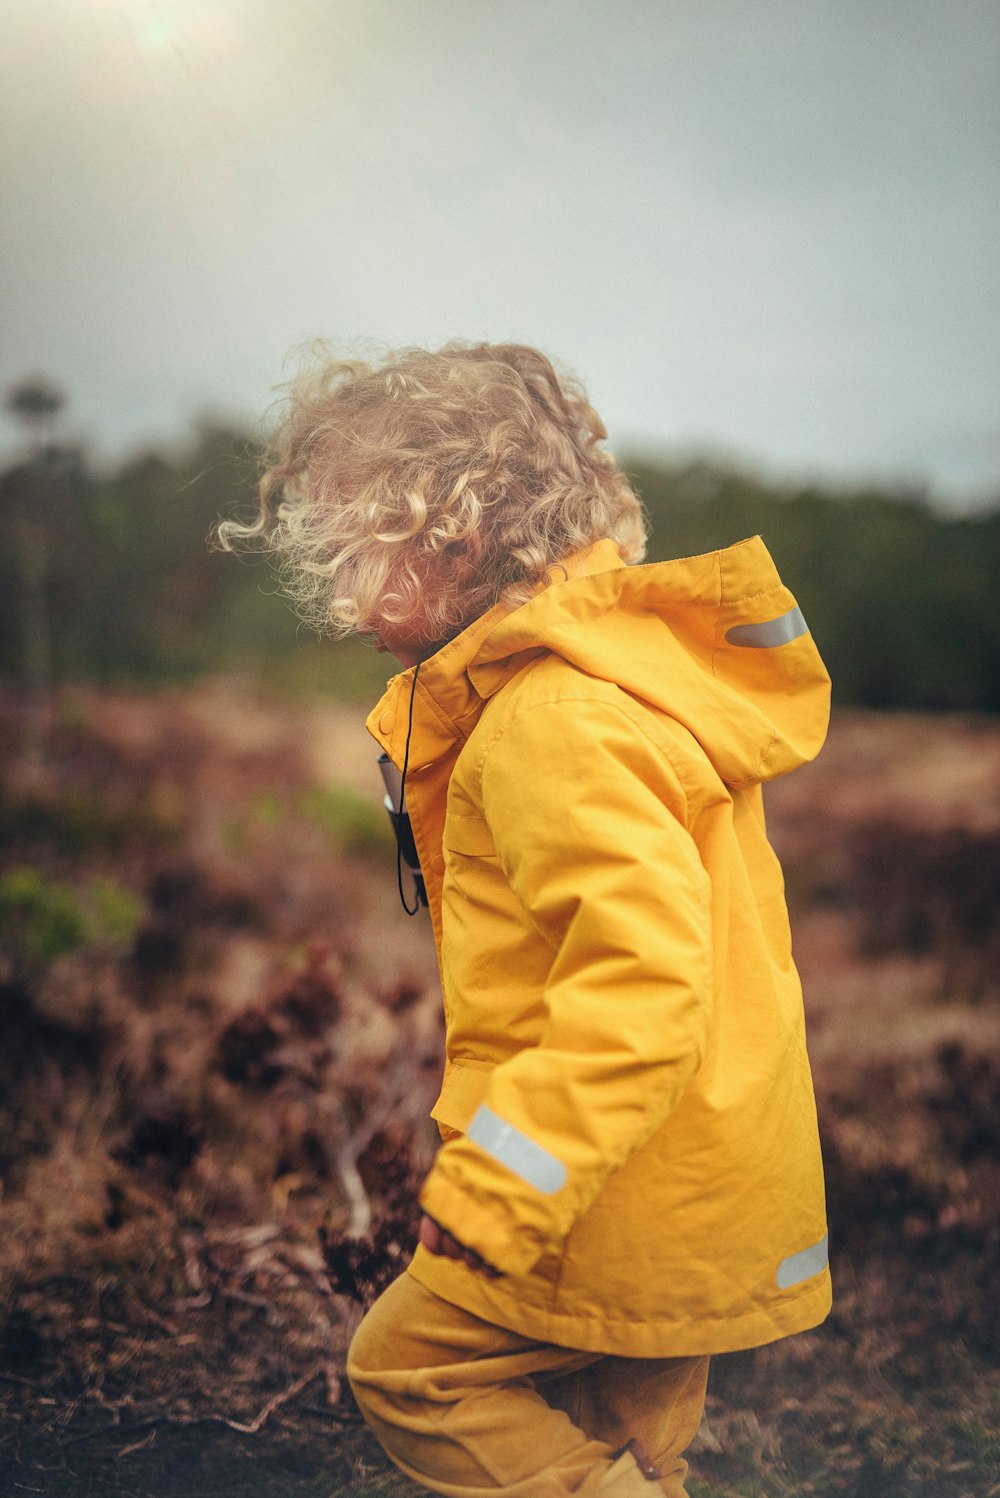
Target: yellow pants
468, 1408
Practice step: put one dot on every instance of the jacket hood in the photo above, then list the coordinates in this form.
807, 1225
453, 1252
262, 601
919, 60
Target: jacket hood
715, 641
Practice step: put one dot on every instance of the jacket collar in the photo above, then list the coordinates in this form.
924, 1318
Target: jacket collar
454, 684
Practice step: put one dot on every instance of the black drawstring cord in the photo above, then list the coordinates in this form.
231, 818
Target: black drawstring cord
402, 799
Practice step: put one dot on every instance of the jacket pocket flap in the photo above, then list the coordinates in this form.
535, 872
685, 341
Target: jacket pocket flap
461, 1094
465, 834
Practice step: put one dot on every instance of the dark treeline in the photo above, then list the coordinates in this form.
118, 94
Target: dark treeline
108, 575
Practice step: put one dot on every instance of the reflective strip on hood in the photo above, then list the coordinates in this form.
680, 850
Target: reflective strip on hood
515, 1150
803, 1265
769, 632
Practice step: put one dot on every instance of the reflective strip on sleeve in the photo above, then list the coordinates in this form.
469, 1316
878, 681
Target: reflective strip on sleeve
515, 1150
770, 632
803, 1265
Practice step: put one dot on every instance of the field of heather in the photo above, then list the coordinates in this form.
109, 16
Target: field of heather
221, 1040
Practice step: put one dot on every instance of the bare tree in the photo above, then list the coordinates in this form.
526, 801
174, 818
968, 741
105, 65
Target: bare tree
35, 402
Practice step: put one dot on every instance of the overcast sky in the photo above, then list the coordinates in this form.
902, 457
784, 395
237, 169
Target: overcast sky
768, 227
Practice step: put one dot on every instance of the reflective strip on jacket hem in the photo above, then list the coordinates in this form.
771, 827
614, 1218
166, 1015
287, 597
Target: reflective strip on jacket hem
769, 632
803, 1265
520, 1154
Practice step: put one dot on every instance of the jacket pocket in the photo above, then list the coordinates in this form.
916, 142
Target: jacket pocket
461, 1093
468, 834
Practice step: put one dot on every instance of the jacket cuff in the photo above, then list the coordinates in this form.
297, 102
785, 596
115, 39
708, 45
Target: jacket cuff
482, 1226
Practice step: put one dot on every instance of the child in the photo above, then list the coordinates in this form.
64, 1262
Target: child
630, 1178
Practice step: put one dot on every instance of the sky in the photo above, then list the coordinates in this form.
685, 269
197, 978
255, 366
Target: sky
764, 230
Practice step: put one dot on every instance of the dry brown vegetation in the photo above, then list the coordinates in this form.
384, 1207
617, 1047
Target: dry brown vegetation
221, 1042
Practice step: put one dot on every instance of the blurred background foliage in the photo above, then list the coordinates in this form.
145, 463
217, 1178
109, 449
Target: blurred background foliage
106, 573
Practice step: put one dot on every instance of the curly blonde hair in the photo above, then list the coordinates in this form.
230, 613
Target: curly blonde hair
433, 485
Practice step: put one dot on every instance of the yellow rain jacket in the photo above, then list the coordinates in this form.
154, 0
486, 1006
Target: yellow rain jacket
627, 1110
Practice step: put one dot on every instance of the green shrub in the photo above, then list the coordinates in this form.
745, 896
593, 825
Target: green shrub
42, 920
351, 822
119, 911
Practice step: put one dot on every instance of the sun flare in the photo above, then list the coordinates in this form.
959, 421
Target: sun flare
161, 29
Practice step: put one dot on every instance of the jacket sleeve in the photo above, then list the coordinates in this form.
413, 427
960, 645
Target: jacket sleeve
588, 817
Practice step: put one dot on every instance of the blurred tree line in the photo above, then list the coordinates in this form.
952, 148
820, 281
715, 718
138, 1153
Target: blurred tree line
106, 573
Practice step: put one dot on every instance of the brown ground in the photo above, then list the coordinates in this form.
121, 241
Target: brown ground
221, 1042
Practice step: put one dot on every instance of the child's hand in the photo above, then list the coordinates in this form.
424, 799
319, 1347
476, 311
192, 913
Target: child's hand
437, 1240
